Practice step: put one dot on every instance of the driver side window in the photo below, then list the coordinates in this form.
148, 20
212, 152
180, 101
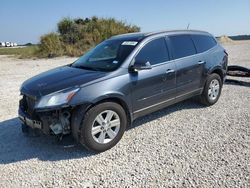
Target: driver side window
155, 52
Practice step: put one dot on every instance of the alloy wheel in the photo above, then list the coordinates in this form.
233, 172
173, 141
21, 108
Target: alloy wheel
105, 126
214, 89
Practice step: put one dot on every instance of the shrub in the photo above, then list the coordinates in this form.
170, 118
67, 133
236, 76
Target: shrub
68, 31
51, 45
76, 36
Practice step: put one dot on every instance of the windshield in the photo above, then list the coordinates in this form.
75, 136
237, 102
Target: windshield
107, 56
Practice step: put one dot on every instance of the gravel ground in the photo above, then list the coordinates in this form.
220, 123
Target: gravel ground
185, 145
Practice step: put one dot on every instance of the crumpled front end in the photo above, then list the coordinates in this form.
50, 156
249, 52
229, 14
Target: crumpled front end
53, 121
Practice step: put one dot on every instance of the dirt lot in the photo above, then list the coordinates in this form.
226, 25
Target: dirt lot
183, 145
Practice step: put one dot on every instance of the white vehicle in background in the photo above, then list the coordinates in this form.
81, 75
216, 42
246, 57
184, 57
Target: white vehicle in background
2, 44
7, 44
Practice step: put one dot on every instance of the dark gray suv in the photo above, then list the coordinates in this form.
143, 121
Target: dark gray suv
127, 76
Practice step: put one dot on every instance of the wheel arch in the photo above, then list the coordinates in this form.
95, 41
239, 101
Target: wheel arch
81, 109
217, 70
117, 100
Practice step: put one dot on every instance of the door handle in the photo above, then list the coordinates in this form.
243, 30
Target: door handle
201, 62
170, 71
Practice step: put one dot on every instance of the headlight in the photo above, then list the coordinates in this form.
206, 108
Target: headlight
56, 98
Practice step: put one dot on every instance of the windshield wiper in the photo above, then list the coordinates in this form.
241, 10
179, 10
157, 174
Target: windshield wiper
87, 68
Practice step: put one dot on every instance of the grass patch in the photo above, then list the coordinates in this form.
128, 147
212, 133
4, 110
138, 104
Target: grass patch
24, 52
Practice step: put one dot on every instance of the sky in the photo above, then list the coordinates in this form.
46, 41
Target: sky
24, 21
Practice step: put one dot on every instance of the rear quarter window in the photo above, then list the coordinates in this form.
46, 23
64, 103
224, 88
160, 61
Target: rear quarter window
182, 46
203, 42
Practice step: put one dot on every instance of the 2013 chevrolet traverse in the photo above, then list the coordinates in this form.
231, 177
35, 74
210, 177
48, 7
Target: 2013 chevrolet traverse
125, 77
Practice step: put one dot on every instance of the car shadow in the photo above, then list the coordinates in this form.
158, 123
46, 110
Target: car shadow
187, 104
15, 146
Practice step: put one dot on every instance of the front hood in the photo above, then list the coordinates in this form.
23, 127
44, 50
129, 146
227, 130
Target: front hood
58, 79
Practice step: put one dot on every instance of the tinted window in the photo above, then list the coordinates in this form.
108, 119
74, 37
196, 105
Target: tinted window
203, 42
154, 52
182, 45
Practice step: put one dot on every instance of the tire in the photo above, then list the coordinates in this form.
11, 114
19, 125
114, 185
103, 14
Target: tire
96, 128
212, 90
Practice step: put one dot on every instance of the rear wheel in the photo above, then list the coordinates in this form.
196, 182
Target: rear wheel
212, 90
103, 126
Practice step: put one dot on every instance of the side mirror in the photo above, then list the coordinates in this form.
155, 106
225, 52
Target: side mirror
140, 65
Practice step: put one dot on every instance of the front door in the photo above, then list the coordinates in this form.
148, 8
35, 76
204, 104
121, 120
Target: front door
153, 87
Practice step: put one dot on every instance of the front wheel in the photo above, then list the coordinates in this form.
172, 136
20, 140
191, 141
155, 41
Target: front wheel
212, 90
103, 126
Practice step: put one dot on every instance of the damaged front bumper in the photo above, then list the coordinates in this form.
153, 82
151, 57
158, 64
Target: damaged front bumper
51, 121
26, 119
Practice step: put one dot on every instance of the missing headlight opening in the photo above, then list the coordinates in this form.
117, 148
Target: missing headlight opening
57, 122
62, 126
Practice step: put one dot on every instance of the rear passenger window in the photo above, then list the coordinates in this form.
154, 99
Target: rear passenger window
182, 46
155, 52
203, 42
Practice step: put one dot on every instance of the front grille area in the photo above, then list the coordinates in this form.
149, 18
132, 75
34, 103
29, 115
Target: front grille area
28, 104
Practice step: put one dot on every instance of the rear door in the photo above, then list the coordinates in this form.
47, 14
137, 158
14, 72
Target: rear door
156, 85
189, 66
204, 45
